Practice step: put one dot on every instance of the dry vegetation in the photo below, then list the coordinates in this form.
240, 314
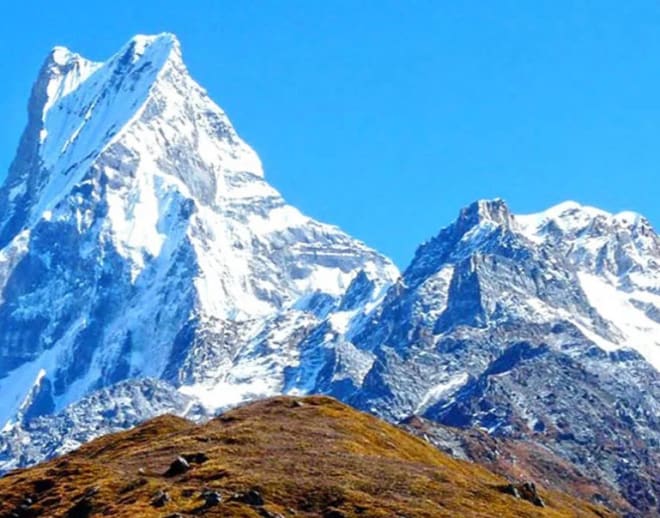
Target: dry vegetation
306, 457
520, 459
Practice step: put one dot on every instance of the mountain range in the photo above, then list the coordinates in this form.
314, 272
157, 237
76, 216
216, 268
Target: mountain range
147, 267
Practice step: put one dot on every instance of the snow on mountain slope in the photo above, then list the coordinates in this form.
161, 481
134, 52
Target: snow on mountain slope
119, 407
634, 315
623, 248
139, 238
618, 260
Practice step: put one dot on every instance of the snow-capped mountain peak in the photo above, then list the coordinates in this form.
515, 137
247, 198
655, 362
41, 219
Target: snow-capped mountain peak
61, 59
139, 235
65, 71
572, 219
61, 73
495, 212
481, 223
622, 248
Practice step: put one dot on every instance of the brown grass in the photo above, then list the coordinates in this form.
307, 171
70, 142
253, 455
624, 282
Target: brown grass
307, 456
521, 460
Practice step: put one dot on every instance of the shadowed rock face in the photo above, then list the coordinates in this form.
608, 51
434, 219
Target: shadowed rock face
278, 457
147, 266
520, 460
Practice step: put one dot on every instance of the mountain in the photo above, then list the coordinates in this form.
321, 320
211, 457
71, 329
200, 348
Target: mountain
539, 328
278, 457
147, 267
140, 239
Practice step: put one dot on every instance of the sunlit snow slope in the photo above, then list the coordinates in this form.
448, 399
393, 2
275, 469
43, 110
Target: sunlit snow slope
617, 257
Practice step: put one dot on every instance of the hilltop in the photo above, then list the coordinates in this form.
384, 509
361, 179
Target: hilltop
282, 456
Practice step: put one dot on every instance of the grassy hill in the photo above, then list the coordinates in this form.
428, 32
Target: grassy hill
284, 457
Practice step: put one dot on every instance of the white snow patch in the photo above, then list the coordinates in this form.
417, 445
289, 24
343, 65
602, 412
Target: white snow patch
440, 390
340, 320
224, 394
638, 331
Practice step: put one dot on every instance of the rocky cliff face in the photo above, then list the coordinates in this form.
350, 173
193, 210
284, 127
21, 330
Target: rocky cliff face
146, 266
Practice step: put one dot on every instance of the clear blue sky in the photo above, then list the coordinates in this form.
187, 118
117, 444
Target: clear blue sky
386, 117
